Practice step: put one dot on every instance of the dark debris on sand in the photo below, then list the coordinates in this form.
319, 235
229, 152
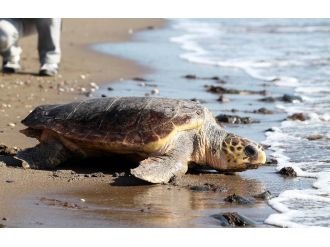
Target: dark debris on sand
266, 195
223, 90
287, 98
271, 161
298, 116
140, 79
234, 219
213, 78
263, 110
234, 119
206, 188
237, 199
58, 203
288, 172
198, 100
314, 137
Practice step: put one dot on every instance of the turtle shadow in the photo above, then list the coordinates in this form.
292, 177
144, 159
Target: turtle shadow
23, 73
118, 167
106, 165
129, 180
28, 73
10, 161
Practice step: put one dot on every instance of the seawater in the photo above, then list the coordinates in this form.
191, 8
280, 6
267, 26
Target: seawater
278, 55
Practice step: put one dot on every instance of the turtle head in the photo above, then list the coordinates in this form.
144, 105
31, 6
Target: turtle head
239, 154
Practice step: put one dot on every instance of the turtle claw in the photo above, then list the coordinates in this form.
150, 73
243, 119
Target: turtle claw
25, 165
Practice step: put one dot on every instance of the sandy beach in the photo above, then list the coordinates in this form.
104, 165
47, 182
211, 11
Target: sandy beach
102, 193
21, 92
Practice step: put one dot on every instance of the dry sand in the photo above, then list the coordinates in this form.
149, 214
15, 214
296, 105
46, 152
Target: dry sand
20, 93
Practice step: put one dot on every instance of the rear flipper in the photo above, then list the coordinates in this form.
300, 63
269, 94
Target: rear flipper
46, 155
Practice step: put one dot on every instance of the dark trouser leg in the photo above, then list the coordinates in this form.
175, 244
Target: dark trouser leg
49, 33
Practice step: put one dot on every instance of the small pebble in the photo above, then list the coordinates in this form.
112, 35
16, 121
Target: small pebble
271, 161
11, 124
191, 77
263, 110
155, 91
237, 199
298, 116
314, 137
288, 172
266, 195
82, 199
94, 85
139, 79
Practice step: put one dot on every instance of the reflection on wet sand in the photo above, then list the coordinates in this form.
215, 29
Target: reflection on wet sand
168, 205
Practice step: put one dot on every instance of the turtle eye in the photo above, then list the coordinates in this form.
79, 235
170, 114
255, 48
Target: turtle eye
250, 151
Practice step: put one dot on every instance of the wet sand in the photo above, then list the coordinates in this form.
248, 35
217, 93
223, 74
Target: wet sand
76, 200
82, 197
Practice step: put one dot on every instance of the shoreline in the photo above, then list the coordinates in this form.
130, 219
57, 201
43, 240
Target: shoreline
23, 91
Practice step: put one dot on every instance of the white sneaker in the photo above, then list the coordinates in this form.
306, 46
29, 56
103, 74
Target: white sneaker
10, 67
11, 61
48, 69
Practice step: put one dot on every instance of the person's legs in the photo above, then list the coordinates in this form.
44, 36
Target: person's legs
49, 33
10, 32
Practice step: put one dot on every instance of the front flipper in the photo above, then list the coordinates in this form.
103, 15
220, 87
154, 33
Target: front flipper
174, 163
160, 169
46, 155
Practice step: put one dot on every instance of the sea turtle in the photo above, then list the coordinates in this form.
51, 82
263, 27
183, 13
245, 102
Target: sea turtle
165, 134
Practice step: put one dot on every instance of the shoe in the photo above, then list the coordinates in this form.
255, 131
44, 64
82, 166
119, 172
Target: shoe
11, 60
48, 69
9, 67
